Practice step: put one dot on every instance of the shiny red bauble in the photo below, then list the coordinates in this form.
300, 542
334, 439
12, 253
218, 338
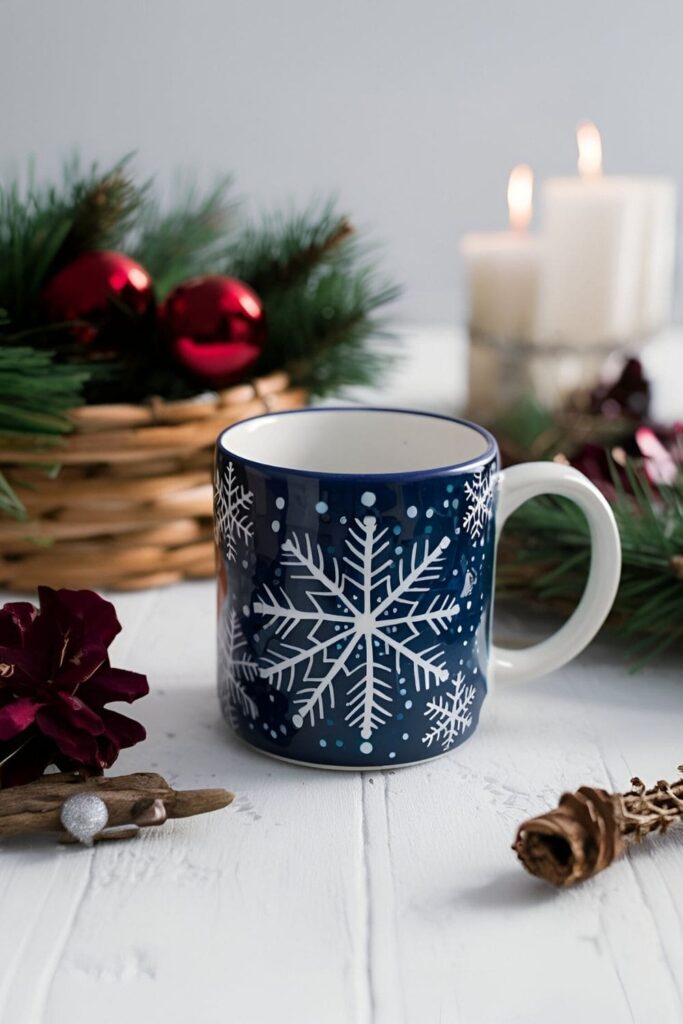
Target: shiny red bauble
214, 328
108, 298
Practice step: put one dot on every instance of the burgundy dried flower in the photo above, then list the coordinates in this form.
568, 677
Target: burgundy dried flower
55, 680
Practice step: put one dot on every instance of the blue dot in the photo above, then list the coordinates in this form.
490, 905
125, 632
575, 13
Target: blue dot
366, 748
397, 529
330, 549
400, 716
428, 529
449, 488
411, 512
368, 499
279, 503
275, 526
329, 721
339, 743
455, 503
321, 507
323, 743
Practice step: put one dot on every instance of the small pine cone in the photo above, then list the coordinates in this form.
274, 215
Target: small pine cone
575, 840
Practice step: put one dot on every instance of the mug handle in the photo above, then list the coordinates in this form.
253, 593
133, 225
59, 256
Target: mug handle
529, 480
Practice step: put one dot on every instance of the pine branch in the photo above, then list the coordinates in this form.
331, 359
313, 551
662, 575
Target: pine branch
101, 210
35, 394
545, 552
321, 295
281, 251
186, 240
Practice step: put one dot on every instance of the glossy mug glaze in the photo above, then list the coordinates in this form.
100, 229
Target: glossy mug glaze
356, 554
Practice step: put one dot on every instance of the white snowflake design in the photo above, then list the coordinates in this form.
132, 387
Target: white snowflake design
231, 515
451, 713
479, 495
235, 667
373, 611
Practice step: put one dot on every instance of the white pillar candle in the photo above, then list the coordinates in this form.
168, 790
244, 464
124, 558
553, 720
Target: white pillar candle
502, 268
608, 254
503, 277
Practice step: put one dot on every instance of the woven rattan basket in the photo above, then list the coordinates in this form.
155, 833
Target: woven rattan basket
130, 506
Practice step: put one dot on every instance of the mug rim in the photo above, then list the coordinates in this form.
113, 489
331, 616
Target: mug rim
466, 465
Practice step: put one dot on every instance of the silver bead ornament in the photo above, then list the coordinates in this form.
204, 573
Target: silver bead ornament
83, 815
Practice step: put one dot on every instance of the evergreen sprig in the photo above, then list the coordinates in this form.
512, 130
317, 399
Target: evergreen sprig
35, 394
546, 556
321, 294
187, 239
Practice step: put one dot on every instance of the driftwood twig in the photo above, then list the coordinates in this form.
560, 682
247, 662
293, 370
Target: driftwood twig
140, 800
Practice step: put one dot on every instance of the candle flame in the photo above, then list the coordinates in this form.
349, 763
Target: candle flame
590, 150
520, 196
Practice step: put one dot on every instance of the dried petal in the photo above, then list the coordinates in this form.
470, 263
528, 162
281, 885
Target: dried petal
16, 717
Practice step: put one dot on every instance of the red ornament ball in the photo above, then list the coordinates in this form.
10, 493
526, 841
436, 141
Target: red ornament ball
215, 328
110, 295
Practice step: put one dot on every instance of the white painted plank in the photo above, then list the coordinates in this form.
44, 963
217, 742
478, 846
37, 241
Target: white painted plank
482, 942
232, 916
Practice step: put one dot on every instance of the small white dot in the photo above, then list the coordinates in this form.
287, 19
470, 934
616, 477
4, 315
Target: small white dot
366, 748
405, 736
411, 512
446, 503
275, 525
246, 610
297, 721
279, 503
342, 520
321, 507
429, 513
368, 499
408, 704
392, 754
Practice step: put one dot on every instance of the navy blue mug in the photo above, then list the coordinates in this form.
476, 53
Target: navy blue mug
356, 553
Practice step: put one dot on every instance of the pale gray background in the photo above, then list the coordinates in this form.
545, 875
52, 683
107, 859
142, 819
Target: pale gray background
412, 111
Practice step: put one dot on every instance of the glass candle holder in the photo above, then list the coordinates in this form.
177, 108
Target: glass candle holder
504, 370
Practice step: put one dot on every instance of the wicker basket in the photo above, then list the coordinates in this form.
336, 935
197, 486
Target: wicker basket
131, 506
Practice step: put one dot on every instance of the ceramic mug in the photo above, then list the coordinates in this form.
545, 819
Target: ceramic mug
356, 553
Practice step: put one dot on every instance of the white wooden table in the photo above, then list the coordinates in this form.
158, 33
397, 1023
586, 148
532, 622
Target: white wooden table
349, 898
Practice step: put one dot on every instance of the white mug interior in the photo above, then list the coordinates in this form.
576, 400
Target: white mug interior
355, 441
